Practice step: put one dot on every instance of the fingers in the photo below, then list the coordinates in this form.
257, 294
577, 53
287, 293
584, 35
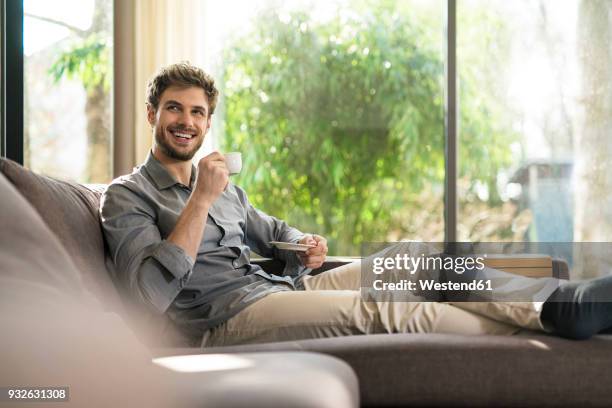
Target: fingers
314, 265
313, 258
308, 240
218, 169
213, 176
312, 262
212, 161
319, 238
215, 156
320, 249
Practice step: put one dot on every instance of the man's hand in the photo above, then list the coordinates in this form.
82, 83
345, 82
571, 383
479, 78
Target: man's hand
213, 177
212, 180
313, 258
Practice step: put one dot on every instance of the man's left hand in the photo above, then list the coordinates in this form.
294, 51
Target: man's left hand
313, 258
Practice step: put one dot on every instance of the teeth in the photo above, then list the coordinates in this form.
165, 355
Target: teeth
183, 135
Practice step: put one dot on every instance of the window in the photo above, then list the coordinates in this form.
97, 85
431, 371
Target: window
337, 107
542, 70
67, 77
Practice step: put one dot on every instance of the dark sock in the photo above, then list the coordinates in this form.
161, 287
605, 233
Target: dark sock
578, 310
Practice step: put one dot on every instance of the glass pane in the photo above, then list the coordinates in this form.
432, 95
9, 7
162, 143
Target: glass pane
67, 75
545, 171
337, 107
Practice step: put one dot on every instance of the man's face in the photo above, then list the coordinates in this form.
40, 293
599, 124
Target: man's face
180, 122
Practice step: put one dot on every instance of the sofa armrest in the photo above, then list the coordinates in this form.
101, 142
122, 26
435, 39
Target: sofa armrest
276, 266
259, 379
560, 269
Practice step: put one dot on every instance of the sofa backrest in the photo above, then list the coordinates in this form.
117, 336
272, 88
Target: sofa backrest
70, 210
53, 330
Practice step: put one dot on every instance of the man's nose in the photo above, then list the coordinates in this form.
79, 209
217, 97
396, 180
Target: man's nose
186, 119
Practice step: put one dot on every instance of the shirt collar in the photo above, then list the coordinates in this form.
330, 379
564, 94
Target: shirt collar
161, 177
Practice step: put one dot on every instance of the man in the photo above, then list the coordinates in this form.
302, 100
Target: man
181, 238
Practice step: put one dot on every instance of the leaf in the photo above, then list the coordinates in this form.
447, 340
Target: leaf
86, 60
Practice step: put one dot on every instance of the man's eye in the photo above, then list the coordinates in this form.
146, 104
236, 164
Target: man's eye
199, 113
173, 108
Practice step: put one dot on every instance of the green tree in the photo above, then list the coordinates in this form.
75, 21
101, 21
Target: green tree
342, 121
88, 60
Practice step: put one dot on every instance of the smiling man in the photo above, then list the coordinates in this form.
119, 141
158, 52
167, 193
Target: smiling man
181, 238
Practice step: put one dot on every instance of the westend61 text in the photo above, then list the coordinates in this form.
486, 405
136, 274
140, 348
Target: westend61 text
475, 285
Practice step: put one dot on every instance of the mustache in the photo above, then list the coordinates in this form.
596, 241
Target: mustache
182, 128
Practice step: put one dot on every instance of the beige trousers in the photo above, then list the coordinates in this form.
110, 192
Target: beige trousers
331, 305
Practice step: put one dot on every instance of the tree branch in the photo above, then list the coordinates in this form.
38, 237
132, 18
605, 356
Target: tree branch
78, 31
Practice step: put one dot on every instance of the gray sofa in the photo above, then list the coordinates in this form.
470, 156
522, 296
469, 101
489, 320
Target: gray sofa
56, 332
530, 369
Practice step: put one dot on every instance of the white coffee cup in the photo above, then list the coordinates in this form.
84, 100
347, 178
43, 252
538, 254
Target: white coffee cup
233, 161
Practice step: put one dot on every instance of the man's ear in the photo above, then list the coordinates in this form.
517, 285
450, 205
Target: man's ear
151, 114
208, 123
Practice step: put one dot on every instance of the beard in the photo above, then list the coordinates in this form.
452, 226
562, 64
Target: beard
169, 151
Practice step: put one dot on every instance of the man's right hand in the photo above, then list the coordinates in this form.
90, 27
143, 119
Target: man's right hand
213, 177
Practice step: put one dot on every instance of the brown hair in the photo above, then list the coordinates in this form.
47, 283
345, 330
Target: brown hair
181, 74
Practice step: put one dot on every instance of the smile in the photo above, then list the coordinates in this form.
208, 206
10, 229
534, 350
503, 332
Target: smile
182, 135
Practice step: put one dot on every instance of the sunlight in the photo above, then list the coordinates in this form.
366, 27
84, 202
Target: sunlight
39, 34
203, 362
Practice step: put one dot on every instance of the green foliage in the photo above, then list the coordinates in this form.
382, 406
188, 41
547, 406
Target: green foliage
86, 60
341, 122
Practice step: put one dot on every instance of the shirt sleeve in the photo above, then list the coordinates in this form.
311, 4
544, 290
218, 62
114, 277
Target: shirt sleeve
262, 228
153, 269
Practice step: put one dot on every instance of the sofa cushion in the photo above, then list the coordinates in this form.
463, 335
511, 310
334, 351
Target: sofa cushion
32, 256
529, 369
70, 210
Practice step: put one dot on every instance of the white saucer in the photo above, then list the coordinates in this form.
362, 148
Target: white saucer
289, 246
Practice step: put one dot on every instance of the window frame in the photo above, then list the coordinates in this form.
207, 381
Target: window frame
12, 81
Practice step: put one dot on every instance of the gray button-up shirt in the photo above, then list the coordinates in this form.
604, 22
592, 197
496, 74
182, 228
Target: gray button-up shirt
140, 210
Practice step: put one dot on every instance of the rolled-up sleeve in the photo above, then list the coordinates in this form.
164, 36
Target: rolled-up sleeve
155, 270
